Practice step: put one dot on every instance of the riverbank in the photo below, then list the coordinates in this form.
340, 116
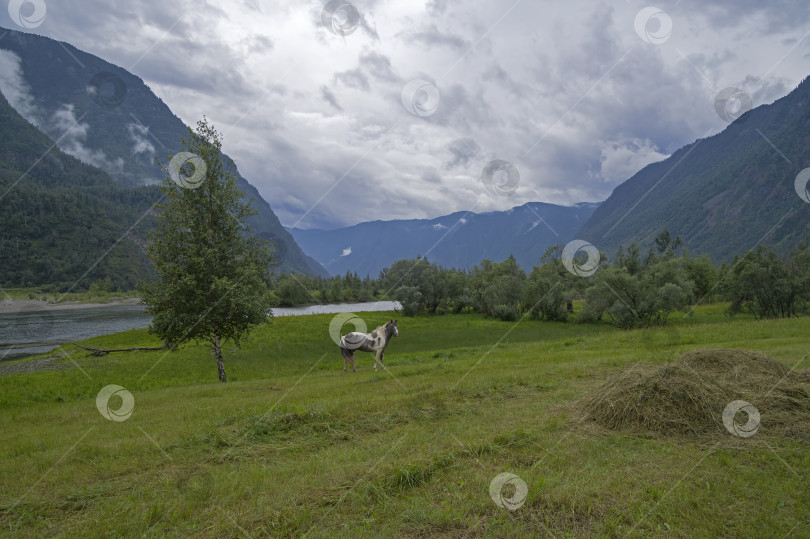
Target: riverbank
29, 326
11, 306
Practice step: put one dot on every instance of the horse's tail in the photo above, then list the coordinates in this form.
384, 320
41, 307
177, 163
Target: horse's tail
347, 354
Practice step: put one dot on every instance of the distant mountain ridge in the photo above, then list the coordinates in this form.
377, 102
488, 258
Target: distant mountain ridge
122, 129
722, 195
459, 240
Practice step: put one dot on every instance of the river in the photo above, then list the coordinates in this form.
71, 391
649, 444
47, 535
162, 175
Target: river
34, 332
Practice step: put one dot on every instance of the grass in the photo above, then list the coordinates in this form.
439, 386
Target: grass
292, 446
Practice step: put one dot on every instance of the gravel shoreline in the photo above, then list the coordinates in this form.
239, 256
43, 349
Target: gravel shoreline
11, 306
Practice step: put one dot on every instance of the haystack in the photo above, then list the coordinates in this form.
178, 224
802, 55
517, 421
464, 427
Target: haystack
688, 396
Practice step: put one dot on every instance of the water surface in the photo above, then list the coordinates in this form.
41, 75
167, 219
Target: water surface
34, 332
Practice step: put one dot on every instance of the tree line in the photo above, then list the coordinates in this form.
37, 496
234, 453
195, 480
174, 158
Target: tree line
633, 289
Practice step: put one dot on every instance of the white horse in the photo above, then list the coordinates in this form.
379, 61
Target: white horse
377, 341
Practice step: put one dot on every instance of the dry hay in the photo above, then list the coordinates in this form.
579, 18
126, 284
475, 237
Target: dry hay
688, 396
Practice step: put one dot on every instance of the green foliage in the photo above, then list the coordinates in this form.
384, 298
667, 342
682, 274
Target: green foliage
437, 286
547, 294
638, 294
703, 274
666, 244
212, 274
498, 287
635, 291
410, 298
504, 311
291, 291
767, 286
298, 289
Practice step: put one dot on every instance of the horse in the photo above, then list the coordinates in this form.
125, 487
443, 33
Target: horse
377, 341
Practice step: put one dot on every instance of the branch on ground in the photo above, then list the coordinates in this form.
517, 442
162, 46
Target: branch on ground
104, 351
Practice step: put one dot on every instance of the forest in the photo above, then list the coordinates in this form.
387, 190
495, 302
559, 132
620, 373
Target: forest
633, 289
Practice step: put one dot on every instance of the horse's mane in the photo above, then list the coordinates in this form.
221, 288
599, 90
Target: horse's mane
382, 327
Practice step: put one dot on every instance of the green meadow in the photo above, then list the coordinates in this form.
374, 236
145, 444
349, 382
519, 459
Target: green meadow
292, 446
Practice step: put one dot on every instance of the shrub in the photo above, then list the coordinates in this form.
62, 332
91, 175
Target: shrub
507, 313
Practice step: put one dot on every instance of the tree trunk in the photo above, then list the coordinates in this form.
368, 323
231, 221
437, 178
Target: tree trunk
218, 353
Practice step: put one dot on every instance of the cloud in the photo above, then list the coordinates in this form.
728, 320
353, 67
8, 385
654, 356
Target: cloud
620, 160
567, 92
330, 98
69, 133
346, 252
141, 145
462, 152
432, 37
71, 136
354, 78
15, 89
378, 66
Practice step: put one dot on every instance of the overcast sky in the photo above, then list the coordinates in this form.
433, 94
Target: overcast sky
577, 95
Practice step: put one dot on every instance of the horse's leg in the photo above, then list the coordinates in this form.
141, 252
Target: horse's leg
376, 358
348, 357
382, 357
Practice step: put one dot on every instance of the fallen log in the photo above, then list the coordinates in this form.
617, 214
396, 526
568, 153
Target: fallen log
104, 351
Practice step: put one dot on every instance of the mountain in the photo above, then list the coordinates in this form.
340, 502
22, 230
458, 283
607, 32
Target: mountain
108, 117
458, 240
721, 194
59, 217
